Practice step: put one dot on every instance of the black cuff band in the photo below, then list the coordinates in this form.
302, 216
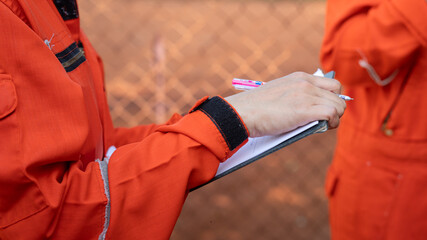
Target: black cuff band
226, 120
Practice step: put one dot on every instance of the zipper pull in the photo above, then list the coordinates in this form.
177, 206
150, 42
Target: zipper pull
387, 131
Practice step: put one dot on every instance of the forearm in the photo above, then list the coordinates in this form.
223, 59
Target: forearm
150, 179
123, 136
149, 183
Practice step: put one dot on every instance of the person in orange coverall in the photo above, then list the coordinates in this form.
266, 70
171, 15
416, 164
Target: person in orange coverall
66, 173
377, 183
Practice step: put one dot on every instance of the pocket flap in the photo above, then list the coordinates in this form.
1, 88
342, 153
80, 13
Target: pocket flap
8, 97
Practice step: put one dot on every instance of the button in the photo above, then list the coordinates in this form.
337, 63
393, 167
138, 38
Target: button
388, 132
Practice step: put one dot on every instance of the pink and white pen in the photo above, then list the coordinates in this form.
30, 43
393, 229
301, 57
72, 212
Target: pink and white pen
244, 84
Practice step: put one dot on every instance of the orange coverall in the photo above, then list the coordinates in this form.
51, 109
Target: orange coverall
57, 179
377, 183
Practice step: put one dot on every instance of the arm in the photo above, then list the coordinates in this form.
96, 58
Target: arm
384, 34
151, 178
155, 185
123, 136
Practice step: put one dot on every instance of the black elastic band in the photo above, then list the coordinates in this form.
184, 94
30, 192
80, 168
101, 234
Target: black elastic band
71, 57
226, 120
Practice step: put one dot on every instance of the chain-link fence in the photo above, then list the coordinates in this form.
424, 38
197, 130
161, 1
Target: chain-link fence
161, 56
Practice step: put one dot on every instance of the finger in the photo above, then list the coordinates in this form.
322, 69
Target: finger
324, 112
334, 122
325, 83
330, 98
338, 108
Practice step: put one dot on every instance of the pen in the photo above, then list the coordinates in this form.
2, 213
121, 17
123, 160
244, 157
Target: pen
244, 84
345, 98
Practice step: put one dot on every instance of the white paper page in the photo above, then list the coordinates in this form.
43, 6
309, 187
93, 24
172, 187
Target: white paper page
256, 146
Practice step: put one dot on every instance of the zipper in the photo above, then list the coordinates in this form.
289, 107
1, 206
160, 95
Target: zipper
384, 128
387, 131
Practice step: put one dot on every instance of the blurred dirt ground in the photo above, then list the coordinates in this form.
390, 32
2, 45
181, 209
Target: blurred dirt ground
161, 56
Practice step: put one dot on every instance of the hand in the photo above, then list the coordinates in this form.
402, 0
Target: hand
289, 102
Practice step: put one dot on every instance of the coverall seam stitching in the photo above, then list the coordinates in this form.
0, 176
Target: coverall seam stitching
69, 52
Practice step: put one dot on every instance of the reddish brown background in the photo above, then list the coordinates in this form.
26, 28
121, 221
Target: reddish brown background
161, 56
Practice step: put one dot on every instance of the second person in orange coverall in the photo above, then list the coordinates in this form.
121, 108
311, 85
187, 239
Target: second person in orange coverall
377, 183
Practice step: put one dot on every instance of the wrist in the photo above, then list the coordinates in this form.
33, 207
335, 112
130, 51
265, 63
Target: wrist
226, 119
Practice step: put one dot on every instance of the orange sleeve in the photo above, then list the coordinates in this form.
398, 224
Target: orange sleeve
47, 190
124, 135
150, 179
384, 33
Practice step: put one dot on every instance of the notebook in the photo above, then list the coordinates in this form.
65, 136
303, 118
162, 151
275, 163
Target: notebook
259, 147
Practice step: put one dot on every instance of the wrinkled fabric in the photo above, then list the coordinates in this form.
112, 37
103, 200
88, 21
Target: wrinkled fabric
376, 183
54, 124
